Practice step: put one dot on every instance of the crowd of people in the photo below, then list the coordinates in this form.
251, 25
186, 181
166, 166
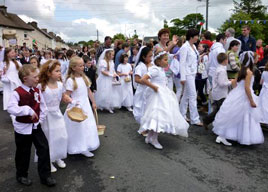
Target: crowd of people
158, 81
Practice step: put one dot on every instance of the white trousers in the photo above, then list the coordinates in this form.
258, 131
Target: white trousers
190, 97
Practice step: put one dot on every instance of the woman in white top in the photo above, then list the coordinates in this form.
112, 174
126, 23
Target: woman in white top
9, 77
189, 57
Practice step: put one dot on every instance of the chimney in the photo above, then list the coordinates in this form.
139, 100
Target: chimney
34, 24
3, 9
45, 30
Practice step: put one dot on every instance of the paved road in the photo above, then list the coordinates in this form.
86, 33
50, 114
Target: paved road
189, 164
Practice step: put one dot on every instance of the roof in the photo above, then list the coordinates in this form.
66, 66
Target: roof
13, 21
34, 25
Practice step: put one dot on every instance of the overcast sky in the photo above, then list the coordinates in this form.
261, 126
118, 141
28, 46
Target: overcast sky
76, 20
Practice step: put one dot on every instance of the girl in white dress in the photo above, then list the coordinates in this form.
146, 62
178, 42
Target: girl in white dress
107, 95
239, 116
143, 62
54, 125
124, 70
82, 137
264, 95
9, 77
162, 113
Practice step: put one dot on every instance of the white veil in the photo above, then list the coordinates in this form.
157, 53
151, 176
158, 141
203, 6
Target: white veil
136, 63
102, 58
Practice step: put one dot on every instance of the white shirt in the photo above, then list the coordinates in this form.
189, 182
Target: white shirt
215, 50
188, 60
14, 109
220, 83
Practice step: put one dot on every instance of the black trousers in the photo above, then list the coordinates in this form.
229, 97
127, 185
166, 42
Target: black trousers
23, 153
200, 84
216, 107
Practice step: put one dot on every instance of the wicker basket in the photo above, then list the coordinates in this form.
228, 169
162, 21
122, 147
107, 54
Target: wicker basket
101, 128
127, 79
76, 114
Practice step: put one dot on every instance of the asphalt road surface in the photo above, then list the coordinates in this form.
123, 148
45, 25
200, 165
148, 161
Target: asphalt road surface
124, 163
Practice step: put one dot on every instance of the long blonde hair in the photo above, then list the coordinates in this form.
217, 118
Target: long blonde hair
73, 62
106, 58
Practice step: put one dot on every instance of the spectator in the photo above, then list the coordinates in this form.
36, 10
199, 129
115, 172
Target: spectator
230, 33
215, 50
259, 49
262, 63
125, 49
207, 39
248, 42
107, 45
26, 57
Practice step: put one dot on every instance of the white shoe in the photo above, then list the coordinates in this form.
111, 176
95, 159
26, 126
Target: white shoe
111, 111
147, 140
60, 163
88, 154
223, 141
53, 168
129, 109
157, 145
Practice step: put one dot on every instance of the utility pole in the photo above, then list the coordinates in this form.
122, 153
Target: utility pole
207, 4
97, 35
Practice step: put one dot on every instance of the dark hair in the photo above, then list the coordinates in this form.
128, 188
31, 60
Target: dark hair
69, 53
233, 43
163, 31
243, 71
58, 53
125, 45
145, 51
221, 57
207, 35
266, 67
136, 47
84, 48
220, 36
265, 52
246, 26
206, 47
107, 38
191, 33
86, 58
122, 58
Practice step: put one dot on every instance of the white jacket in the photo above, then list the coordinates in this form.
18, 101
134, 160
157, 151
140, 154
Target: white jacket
188, 60
215, 50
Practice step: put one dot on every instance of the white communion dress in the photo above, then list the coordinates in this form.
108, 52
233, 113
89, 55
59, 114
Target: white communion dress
10, 81
264, 98
107, 95
139, 99
162, 113
126, 87
54, 124
83, 136
237, 120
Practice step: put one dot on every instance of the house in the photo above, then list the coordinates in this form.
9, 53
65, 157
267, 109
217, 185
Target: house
40, 37
58, 42
13, 30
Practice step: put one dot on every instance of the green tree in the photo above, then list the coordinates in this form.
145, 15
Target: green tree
250, 7
179, 27
256, 29
119, 36
165, 24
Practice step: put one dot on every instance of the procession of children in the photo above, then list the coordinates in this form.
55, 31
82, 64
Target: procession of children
142, 82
